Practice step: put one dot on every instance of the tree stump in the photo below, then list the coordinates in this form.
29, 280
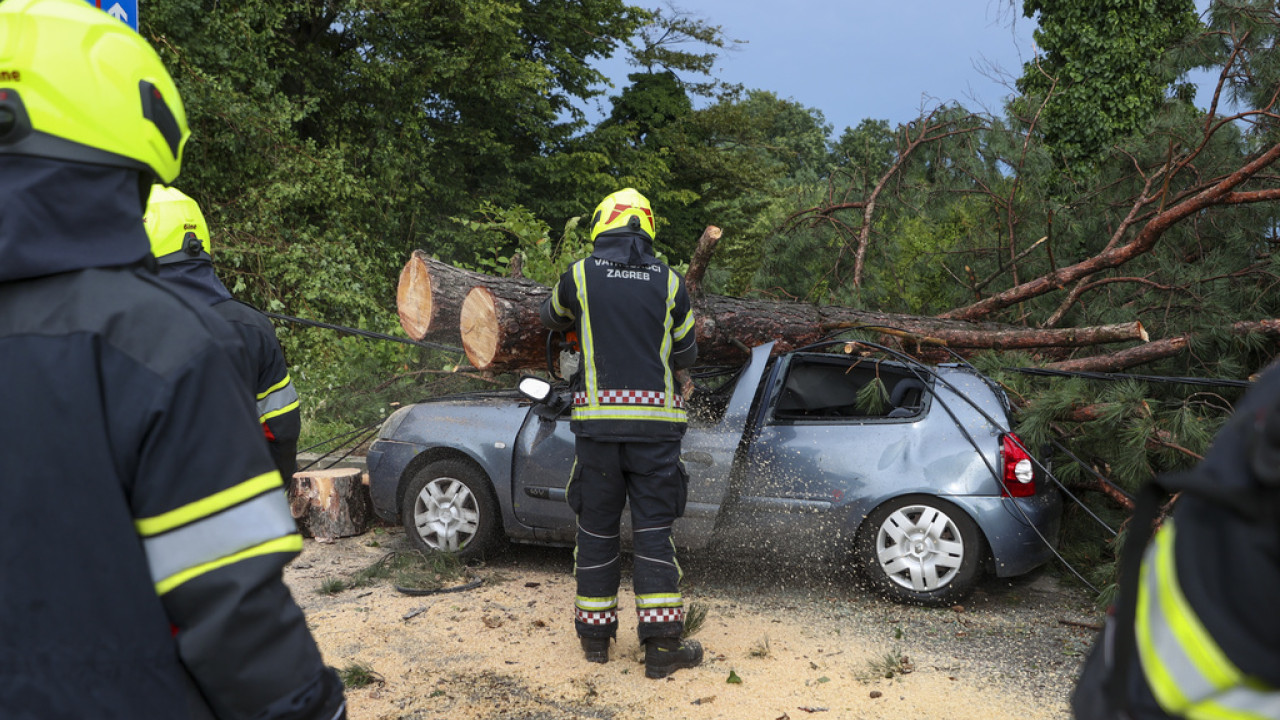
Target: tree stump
330, 503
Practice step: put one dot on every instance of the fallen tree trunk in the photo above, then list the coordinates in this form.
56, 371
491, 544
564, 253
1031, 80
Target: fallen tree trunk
501, 331
500, 327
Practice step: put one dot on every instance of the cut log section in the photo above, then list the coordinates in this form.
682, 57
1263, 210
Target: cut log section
429, 297
330, 503
500, 326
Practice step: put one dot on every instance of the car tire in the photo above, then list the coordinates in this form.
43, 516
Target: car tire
449, 506
920, 550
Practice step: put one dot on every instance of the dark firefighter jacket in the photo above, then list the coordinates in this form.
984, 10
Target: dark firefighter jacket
1194, 634
143, 528
635, 326
277, 398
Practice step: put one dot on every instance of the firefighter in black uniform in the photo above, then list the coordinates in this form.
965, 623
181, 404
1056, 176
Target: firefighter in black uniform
180, 241
1194, 632
635, 326
154, 589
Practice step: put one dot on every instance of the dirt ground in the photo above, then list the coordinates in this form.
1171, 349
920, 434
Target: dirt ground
782, 643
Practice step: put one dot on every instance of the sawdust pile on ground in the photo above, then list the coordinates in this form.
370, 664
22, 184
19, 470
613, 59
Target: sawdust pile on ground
805, 643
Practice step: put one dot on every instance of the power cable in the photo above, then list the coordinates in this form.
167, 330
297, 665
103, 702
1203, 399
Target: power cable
363, 333
1211, 382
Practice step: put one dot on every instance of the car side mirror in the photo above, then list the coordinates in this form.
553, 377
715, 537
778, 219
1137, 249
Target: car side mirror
534, 388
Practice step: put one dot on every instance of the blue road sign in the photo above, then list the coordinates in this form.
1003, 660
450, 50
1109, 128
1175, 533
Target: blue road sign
126, 11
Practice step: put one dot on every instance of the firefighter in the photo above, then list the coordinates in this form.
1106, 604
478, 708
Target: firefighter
143, 528
1192, 634
180, 242
634, 323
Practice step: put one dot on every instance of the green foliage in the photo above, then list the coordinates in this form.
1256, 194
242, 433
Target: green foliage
414, 570
538, 256
694, 619
1104, 73
873, 398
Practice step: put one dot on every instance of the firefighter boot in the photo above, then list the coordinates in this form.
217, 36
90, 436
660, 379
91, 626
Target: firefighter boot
596, 650
663, 656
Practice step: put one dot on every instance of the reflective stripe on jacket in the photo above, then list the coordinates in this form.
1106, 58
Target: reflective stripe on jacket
1188, 672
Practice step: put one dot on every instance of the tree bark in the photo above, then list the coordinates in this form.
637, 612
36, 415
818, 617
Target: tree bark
1158, 349
701, 259
330, 503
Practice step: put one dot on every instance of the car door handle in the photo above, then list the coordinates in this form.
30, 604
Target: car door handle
698, 458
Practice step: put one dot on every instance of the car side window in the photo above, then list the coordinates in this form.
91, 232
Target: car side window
834, 388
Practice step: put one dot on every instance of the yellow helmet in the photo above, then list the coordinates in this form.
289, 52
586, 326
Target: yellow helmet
76, 84
623, 209
176, 226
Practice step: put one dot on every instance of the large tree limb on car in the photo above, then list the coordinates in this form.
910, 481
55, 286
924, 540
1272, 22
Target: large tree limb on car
498, 326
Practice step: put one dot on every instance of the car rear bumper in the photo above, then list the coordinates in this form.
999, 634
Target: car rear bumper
1021, 532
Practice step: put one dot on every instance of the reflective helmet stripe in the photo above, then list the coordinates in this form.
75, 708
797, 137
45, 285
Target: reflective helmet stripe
1188, 672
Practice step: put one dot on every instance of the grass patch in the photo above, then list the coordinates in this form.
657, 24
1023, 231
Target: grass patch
358, 675
332, 586
694, 617
761, 650
889, 666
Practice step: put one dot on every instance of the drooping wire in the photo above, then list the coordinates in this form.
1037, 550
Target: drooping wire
363, 333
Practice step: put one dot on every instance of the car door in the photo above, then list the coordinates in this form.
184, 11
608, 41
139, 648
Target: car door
543, 459
815, 451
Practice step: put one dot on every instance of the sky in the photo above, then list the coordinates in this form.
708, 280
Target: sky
858, 59
879, 59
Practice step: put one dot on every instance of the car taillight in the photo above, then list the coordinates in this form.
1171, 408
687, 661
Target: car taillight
1019, 475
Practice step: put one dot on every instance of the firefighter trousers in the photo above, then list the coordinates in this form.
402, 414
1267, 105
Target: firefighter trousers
606, 476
